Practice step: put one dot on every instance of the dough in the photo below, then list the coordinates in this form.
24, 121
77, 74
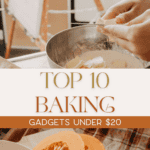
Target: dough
77, 62
104, 59
96, 62
118, 64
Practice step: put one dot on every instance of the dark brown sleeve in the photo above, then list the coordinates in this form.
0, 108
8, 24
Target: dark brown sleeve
15, 134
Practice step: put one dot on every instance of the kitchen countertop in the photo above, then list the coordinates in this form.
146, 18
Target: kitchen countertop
31, 61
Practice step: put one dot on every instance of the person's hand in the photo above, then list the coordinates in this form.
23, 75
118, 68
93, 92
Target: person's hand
134, 36
126, 10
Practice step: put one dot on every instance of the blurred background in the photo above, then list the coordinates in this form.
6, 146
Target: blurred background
58, 20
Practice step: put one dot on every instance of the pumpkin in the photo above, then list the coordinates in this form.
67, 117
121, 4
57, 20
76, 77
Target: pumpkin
91, 143
65, 140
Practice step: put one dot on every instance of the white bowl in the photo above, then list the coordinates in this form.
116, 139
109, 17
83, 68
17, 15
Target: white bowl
6, 145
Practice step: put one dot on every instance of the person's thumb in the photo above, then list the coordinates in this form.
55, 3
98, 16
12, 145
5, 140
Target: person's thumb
119, 31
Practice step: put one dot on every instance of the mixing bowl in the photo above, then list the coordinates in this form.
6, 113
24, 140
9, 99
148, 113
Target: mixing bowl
69, 43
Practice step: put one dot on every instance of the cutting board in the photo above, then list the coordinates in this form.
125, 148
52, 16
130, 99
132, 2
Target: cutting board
31, 141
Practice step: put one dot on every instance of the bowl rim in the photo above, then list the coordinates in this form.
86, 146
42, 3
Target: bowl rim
73, 28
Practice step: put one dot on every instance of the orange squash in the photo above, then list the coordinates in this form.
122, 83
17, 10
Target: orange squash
65, 140
91, 143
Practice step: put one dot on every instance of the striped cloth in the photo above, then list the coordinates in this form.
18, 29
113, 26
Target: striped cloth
121, 139
115, 139
3, 132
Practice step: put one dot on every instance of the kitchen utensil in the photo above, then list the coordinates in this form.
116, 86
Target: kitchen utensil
68, 44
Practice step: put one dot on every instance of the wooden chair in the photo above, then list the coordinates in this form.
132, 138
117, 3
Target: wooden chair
2, 42
99, 5
40, 42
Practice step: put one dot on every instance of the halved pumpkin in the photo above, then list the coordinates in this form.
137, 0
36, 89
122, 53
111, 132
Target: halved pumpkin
91, 143
65, 140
